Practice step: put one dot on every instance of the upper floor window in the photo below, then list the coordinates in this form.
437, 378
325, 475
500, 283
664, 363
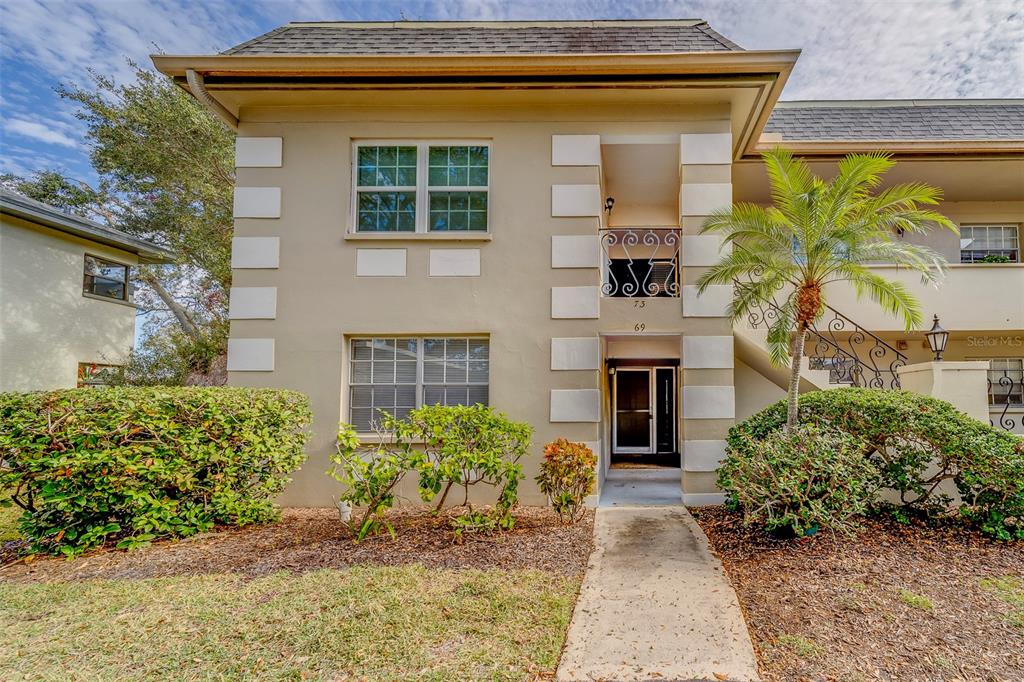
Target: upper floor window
105, 278
989, 244
421, 187
396, 375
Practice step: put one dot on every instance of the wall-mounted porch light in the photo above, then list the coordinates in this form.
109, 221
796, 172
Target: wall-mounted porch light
609, 203
937, 338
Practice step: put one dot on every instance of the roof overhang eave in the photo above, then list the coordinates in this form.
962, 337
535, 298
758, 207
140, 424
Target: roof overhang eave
147, 252
920, 147
723, 62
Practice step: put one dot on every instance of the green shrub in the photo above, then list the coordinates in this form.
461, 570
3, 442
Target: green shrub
458, 446
567, 476
133, 464
464, 446
370, 475
813, 478
915, 442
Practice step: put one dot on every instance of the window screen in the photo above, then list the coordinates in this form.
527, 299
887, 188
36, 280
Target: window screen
395, 375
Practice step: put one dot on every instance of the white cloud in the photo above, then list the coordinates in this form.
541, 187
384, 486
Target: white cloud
38, 131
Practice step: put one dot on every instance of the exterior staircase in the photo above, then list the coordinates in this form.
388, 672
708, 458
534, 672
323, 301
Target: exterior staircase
838, 352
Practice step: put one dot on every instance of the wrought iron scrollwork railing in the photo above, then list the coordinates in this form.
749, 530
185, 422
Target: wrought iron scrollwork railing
640, 262
1006, 392
851, 354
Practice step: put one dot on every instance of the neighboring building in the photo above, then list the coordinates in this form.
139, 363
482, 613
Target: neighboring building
422, 215
66, 311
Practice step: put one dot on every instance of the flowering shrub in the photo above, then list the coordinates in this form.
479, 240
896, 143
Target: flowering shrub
567, 476
130, 465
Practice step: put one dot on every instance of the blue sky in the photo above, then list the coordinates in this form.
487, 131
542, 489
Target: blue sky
851, 49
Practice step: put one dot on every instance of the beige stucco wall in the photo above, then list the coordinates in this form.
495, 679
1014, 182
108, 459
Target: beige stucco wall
321, 302
47, 326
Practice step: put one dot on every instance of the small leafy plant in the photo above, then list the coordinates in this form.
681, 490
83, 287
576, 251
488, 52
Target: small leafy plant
449, 448
466, 446
812, 478
130, 465
567, 476
370, 478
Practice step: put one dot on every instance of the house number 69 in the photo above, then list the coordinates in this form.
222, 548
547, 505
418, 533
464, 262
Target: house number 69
639, 327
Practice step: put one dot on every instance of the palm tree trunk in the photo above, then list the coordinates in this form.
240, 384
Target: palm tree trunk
797, 351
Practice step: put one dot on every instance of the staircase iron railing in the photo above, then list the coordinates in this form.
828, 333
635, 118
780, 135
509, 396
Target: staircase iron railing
852, 355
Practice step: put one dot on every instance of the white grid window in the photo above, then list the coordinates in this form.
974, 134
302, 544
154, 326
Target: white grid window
396, 375
993, 242
1006, 381
421, 186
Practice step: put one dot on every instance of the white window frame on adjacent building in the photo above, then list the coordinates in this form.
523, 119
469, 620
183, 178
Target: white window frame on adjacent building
1009, 237
419, 390
422, 188
1011, 372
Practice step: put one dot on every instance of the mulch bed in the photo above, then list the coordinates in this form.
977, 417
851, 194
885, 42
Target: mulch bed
310, 539
835, 608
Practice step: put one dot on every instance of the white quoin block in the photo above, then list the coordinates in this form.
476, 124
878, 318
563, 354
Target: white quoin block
709, 402
703, 249
575, 150
705, 148
580, 303
250, 355
708, 352
380, 262
704, 198
703, 455
576, 353
569, 201
575, 405
257, 202
255, 252
257, 152
714, 302
252, 303
572, 251
455, 262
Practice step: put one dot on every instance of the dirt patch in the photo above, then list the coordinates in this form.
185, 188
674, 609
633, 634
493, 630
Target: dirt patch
309, 539
893, 602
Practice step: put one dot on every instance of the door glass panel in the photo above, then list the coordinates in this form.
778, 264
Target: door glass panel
633, 409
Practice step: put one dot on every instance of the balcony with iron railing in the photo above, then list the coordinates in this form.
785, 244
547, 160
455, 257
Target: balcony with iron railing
640, 262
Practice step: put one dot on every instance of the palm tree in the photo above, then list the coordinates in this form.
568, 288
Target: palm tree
815, 233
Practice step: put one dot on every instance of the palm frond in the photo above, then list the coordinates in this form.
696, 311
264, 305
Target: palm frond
893, 297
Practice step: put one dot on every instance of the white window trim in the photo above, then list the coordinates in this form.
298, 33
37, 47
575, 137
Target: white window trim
347, 410
1015, 228
422, 187
993, 406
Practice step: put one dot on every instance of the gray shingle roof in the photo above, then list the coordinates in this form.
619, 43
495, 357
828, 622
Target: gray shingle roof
899, 121
414, 38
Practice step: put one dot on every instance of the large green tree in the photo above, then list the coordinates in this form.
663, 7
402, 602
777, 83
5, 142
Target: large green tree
166, 172
817, 232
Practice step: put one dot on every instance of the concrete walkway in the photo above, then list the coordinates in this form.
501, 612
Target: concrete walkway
655, 604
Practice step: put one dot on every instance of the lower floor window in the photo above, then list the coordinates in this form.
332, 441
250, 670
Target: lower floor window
93, 375
398, 374
1006, 382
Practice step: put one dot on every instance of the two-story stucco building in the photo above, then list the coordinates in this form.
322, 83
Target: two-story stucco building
66, 308
509, 213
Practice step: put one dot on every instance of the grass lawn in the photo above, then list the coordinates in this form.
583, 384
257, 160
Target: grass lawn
364, 622
9, 521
